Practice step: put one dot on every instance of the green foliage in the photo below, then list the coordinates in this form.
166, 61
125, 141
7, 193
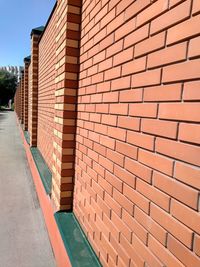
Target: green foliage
8, 84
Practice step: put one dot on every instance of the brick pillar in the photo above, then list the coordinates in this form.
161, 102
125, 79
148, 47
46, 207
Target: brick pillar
26, 65
35, 35
67, 68
19, 100
22, 97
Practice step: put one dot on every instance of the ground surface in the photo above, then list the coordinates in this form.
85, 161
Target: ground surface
24, 240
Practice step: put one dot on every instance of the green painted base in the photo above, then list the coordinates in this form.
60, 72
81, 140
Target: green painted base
27, 137
78, 248
43, 170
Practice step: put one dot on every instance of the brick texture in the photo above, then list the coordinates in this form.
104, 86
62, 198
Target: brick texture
26, 65
137, 154
118, 125
46, 91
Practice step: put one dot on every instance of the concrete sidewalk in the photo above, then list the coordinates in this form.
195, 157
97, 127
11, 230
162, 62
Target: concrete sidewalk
24, 240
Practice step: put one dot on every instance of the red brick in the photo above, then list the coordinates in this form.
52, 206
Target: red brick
152, 227
191, 91
185, 152
143, 110
186, 215
141, 140
110, 97
149, 45
115, 157
197, 245
189, 133
113, 73
195, 7
106, 163
170, 92
106, 64
109, 17
164, 255
182, 71
155, 161
99, 36
105, 185
97, 78
187, 174
114, 181
167, 55
136, 36
153, 194
114, 49
115, 23
126, 149
123, 5
117, 133
133, 9
109, 120
125, 259
136, 259
134, 226
123, 56
128, 123
109, 40
145, 253
182, 253
194, 47
173, 3
131, 95
113, 204
177, 190
174, 227
121, 83
103, 87
124, 176
102, 108
99, 57
146, 78
125, 29
173, 16
107, 141
138, 169
121, 109
180, 111
184, 30
134, 66
159, 127
137, 199
152, 11
124, 202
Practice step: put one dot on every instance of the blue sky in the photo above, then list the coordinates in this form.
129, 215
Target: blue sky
17, 18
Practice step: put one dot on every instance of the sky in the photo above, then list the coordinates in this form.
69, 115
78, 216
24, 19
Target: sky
17, 19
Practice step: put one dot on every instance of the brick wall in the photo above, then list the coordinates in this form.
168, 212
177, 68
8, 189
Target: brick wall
29, 97
137, 179
46, 90
137, 133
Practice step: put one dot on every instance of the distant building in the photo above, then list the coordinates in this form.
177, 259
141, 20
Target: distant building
16, 70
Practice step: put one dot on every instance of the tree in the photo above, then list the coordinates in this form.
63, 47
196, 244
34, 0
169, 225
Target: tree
8, 84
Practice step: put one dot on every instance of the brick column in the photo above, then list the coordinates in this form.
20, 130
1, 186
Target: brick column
35, 35
17, 105
26, 65
67, 68
19, 100
22, 97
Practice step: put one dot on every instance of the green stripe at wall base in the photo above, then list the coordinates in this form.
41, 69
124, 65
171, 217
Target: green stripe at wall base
43, 169
78, 248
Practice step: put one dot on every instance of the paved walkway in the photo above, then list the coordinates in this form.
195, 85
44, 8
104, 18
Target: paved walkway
24, 240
